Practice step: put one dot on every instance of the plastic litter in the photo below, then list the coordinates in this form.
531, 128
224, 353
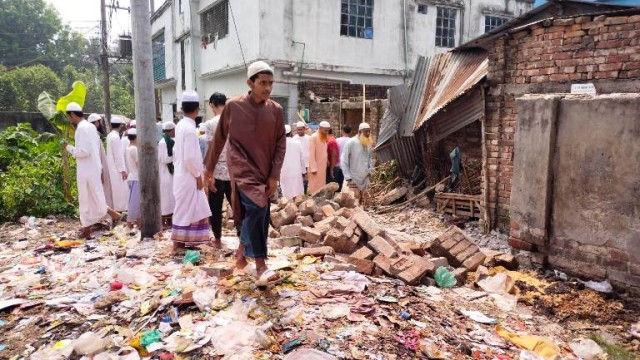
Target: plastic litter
335, 311
288, 346
635, 330
444, 278
150, 337
479, 317
599, 286
89, 343
500, 283
387, 299
205, 298
191, 256
309, 354
115, 285
586, 349
541, 346
136, 277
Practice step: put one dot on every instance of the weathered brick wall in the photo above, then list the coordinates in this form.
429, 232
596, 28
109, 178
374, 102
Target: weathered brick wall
331, 90
546, 58
331, 112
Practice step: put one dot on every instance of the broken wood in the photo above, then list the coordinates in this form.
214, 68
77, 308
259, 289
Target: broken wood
422, 194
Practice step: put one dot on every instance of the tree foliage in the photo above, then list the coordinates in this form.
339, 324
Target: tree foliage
22, 86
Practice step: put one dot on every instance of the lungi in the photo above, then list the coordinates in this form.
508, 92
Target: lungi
196, 233
254, 230
133, 213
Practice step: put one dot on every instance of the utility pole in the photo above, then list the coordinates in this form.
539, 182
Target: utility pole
151, 217
104, 57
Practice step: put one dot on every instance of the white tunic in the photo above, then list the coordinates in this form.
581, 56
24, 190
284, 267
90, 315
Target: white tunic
304, 143
293, 167
167, 201
191, 203
116, 162
356, 162
92, 204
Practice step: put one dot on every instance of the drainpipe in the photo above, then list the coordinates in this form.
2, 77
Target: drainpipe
404, 24
194, 44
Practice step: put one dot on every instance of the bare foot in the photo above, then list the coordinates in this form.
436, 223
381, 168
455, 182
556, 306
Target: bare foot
216, 243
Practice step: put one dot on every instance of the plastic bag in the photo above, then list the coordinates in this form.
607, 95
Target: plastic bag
500, 283
602, 286
204, 298
192, 257
89, 343
150, 337
586, 349
136, 277
541, 346
444, 278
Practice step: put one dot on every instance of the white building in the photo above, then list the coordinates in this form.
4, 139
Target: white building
205, 44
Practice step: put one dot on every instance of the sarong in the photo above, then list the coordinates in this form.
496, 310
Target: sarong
255, 228
133, 213
196, 233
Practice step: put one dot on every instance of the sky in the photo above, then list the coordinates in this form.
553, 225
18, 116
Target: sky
84, 16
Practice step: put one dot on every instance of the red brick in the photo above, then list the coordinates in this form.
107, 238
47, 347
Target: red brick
340, 242
367, 224
328, 210
363, 253
319, 251
310, 235
416, 272
619, 255
559, 77
522, 245
631, 66
459, 248
616, 20
383, 262
467, 253
401, 264
382, 246
363, 266
610, 67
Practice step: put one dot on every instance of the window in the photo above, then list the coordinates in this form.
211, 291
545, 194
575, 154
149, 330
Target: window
215, 22
356, 18
157, 44
183, 71
492, 22
422, 9
446, 27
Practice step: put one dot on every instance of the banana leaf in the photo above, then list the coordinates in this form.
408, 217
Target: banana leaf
47, 105
77, 95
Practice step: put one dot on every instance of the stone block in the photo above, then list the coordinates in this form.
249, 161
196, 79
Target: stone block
328, 210
367, 224
290, 230
305, 220
382, 246
362, 265
384, 263
308, 207
344, 212
401, 264
473, 262
363, 253
339, 242
310, 235
319, 251
417, 271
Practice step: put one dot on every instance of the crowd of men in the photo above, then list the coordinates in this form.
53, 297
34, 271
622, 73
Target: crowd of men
244, 154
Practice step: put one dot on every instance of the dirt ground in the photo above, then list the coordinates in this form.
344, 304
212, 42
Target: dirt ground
63, 290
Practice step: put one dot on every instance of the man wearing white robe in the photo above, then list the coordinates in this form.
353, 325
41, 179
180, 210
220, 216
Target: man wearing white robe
117, 167
356, 162
191, 213
92, 204
303, 138
293, 168
165, 161
96, 120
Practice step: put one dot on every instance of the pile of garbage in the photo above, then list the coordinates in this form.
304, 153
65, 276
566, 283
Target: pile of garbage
329, 226
116, 297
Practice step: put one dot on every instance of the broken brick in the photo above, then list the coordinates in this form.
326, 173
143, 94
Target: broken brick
305, 220
362, 265
319, 251
344, 212
308, 207
346, 200
439, 261
363, 253
467, 253
417, 271
383, 262
367, 224
290, 230
458, 248
291, 211
325, 225
461, 275
401, 264
415, 248
328, 210
326, 191
474, 261
507, 260
339, 242
318, 216
310, 235
342, 223
382, 246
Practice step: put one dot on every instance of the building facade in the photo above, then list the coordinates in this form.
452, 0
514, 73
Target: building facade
206, 44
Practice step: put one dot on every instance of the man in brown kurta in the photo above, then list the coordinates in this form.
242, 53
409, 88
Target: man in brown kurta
253, 124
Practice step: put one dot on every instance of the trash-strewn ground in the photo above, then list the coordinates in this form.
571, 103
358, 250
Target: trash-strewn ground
115, 297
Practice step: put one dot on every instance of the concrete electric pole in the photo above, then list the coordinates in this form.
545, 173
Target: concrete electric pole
151, 217
104, 62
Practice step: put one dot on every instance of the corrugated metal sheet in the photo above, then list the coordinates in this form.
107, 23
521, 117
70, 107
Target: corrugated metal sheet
420, 79
390, 121
450, 76
460, 113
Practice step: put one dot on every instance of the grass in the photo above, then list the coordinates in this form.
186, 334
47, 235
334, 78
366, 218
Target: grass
615, 352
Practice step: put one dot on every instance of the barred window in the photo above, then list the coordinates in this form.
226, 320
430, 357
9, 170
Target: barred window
215, 22
422, 9
356, 18
158, 57
492, 22
446, 27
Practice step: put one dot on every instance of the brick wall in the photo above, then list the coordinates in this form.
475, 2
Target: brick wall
349, 113
331, 90
545, 58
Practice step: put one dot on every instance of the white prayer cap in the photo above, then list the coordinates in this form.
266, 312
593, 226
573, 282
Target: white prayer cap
190, 96
256, 67
132, 123
364, 126
72, 106
300, 124
287, 128
132, 131
168, 125
93, 118
325, 124
116, 120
